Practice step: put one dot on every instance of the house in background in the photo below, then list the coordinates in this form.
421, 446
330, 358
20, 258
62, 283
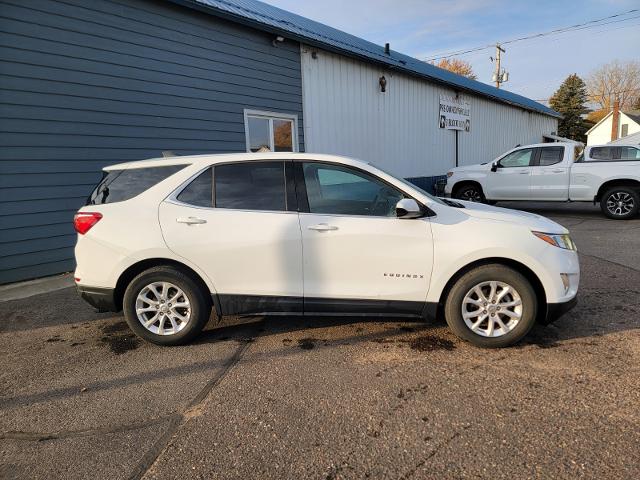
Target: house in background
88, 84
615, 125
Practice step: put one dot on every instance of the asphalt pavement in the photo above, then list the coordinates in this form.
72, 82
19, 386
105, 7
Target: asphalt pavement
330, 398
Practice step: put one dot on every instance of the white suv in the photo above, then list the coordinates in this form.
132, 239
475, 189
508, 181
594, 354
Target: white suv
302, 234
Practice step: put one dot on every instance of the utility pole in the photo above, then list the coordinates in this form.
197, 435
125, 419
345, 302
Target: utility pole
498, 76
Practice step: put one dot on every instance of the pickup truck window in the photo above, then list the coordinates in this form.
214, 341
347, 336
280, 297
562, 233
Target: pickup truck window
550, 156
614, 154
629, 153
519, 158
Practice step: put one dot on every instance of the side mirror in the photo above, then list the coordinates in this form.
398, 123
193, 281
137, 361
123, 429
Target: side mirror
408, 208
494, 167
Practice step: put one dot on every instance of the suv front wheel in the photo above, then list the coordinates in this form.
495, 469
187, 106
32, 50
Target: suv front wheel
163, 305
469, 192
491, 306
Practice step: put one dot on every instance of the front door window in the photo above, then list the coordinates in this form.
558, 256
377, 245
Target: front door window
334, 189
519, 158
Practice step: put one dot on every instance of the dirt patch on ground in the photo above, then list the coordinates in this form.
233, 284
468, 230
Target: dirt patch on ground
429, 343
307, 343
120, 338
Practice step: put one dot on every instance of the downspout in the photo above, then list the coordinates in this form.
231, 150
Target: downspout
457, 96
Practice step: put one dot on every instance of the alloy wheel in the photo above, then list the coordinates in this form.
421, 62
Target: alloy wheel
471, 195
620, 203
163, 308
492, 309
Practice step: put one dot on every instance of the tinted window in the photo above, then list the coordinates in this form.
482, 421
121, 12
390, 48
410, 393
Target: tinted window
602, 153
333, 189
519, 158
550, 155
250, 186
121, 185
614, 154
199, 192
629, 153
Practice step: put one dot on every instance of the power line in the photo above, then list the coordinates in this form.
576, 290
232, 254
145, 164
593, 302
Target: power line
579, 26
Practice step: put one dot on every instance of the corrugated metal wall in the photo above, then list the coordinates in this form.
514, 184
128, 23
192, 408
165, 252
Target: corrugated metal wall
345, 113
87, 84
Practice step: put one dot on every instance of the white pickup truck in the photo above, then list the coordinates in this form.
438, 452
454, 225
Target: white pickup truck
556, 172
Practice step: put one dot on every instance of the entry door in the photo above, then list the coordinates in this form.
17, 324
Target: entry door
248, 242
550, 175
512, 178
358, 257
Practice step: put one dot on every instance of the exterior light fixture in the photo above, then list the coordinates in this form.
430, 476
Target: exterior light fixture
277, 40
383, 84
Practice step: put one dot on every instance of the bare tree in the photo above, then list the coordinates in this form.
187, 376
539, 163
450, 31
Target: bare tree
615, 81
458, 66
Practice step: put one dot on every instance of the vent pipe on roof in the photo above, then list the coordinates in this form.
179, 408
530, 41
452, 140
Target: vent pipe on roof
387, 49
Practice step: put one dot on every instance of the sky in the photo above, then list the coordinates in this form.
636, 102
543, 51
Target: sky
428, 28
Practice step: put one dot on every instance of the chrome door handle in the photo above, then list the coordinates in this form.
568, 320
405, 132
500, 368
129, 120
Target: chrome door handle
322, 227
191, 220
558, 171
524, 173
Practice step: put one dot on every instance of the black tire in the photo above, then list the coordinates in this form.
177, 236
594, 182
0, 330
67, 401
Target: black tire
489, 273
625, 200
199, 301
470, 193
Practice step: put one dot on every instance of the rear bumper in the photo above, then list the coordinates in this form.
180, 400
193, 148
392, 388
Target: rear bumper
101, 298
556, 310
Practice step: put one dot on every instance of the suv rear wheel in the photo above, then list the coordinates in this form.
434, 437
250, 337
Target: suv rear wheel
491, 306
620, 203
163, 305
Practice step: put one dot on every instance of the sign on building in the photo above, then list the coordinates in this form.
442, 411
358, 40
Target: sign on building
455, 113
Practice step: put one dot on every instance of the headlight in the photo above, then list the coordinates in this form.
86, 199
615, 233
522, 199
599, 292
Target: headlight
561, 240
449, 174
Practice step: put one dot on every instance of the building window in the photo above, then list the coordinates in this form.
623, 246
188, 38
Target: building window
625, 130
270, 132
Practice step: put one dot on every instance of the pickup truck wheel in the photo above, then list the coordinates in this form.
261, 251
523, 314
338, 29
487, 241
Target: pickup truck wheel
491, 306
620, 203
470, 193
165, 306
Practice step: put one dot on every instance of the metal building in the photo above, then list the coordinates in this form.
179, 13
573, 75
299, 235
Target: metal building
88, 84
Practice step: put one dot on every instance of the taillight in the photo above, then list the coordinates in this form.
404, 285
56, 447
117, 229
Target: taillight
83, 221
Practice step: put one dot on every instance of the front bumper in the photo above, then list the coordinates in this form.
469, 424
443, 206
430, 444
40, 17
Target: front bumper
556, 310
101, 298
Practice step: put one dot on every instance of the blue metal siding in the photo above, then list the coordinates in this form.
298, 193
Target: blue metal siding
88, 84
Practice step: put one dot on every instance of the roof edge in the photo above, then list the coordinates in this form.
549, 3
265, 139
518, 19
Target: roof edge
258, 25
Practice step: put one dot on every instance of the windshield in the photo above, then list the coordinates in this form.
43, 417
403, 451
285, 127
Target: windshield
412, 185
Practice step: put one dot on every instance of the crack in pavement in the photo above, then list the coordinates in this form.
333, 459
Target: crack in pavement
423, 462
193, 409
609, 261
86, 432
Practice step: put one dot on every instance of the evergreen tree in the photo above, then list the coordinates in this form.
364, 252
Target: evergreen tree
570, 100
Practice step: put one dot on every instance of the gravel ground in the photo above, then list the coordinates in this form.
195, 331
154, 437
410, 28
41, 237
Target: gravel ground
81, 397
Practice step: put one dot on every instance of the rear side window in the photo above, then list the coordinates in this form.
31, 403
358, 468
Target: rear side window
614, 154
603, 154
629, 153
250, 186
121, 185
199, 192
550, 156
